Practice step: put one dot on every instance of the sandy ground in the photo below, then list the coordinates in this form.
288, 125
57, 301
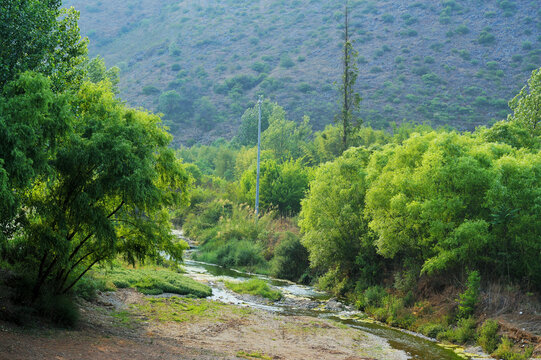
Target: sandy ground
121, 325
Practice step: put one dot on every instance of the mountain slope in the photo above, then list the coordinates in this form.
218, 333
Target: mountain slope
202, 63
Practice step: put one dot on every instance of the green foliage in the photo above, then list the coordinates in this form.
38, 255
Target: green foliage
61, 309
373, 296
333, 231
285, 138
155, 281
281, 186
40, 36
505, 351
349, 100
96, 71
526, 105
247, 133
463, 333
486, 38
106, 191
255, 287
488, 336
432, 330
88, 286
33, 119
290, 258
469, 298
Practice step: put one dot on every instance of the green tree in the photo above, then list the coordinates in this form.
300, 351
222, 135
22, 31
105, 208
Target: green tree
281, 186
247, 134
97, 71
111, 180
38, 35
335, 232
427, 199
348, 117
526, 105
205, 113
33, 119
285, 138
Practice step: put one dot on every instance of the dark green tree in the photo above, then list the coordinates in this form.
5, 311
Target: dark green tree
348, 116
39, 35
105, 192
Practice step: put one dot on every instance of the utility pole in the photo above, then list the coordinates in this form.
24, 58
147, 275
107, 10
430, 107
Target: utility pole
258, 160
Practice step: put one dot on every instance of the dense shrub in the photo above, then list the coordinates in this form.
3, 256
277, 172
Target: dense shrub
488, 336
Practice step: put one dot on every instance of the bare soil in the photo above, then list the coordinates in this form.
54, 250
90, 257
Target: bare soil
116, 327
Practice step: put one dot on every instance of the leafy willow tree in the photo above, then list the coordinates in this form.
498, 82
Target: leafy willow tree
428, 191
33, 119
526, 105
347, 118
39, 35
285, 138
110, 181
247, 133
335, 232
96, 71
281, 186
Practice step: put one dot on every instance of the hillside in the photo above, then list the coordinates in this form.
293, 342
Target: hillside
454, 62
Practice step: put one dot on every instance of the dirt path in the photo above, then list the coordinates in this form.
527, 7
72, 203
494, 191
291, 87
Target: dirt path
127, 325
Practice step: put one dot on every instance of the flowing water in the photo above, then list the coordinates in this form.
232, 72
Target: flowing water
306, 301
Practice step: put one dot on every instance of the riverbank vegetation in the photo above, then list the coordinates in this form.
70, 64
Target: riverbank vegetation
432, 230
394, 223
84, 179
255, 287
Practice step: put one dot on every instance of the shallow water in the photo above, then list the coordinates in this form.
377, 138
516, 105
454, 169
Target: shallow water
417, 347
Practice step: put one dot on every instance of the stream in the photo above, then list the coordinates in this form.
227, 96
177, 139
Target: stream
304, 300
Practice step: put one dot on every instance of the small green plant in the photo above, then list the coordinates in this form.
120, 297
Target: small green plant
255, 287
468, 300
463, 333
252, 355
373, 296
486, 38
505, 351
432, 329
488, 336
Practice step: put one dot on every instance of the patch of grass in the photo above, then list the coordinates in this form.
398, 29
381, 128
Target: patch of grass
253, 355
176, 309
155, 281
255, 287
124, 319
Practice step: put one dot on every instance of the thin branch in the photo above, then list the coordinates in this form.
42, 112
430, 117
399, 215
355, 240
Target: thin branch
80, 276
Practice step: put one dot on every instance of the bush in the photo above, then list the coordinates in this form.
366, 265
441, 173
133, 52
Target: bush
488, 336
486, 38
468, 300
290, 258
373, 296
255, 287
150, 90
286, 62
432, 329
154, 281
505, 351
462, 334
58, 308
87, 287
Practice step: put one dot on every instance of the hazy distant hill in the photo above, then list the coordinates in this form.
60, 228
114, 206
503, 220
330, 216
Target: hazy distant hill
202, 62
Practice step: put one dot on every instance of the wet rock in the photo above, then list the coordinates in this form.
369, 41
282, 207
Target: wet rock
335, 305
